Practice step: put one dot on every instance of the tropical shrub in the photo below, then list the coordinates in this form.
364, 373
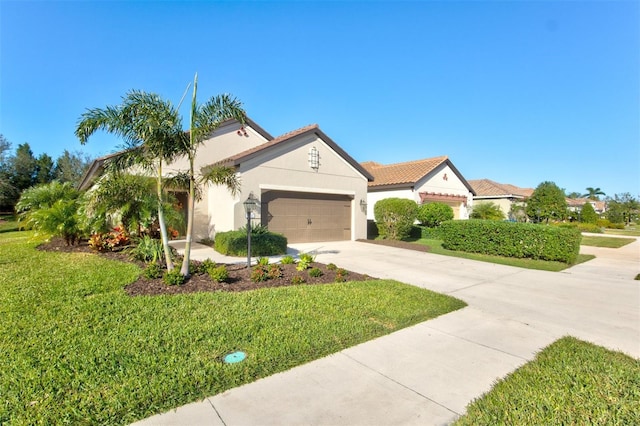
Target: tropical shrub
433, 214
315, 272
259, 273
304, 262
234, 243
394, 217
218, 273
519, 240
297, 279
146, 249
51, 209
487, 211
275, 271
115, 240
341, 275
152, 271
287, 260
173, 277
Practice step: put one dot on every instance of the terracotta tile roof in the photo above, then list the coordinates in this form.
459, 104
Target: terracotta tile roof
234, 158
401, 173
489, 188
579, 202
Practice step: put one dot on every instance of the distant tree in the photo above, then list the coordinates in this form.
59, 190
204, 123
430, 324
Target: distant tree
588, 214
433, 214
8, 193
622, 208
487, 211
547, 202
71, 167
44, 169
593, 193
23, 167
574, 195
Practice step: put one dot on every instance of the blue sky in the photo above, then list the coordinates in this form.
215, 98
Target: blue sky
517, 92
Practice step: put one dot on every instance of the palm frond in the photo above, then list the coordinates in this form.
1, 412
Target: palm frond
220, 175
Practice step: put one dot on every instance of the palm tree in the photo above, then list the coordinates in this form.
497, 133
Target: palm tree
205, 119
152, 131
593, 193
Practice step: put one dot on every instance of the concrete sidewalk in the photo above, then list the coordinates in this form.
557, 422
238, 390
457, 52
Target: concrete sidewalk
428, 373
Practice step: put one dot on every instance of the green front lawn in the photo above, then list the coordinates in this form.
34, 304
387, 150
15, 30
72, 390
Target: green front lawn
8, 224
608, 242
544, 265
77, 350
570, 382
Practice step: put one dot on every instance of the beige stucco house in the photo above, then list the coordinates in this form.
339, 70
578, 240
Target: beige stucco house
509, 198
309, 188
427, 180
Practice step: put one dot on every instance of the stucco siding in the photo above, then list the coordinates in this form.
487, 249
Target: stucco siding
287, 168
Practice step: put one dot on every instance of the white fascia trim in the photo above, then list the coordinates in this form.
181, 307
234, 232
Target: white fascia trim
306, 189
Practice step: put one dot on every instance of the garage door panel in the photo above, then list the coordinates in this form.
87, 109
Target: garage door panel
306, 217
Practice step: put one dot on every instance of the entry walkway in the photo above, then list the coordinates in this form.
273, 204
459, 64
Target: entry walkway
428, 373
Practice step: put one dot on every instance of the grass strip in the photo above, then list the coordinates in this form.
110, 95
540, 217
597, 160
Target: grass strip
77, 350
607, 242
569, 382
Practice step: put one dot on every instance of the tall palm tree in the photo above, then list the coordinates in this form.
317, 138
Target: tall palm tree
152, 131
205, 119
593, 193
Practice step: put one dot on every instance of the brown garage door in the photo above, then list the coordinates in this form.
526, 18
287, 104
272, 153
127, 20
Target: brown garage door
305, 217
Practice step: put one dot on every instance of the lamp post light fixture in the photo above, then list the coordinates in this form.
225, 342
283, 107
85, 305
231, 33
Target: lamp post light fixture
250, 205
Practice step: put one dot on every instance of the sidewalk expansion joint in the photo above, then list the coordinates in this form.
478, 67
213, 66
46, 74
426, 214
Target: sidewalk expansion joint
401, 384
216, 410
487, 281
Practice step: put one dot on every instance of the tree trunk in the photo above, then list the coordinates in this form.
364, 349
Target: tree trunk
191, 204
163, 226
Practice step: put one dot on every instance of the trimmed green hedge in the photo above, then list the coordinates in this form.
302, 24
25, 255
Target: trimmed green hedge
511, 239
234, 243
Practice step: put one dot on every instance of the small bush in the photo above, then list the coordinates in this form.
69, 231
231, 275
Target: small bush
332, 266
173, 277
218, 273
234, 243
341, 275
152, 271
297, 279
275, 271
394, 217
208, 264
433, 214
287, 260
263, 261
603, 223
146, 249
315, 272
305, 261
259, 273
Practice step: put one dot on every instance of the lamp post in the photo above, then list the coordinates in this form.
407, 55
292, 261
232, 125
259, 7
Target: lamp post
250, 204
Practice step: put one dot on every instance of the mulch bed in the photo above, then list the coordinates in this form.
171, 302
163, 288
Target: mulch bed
398, 244
239, 275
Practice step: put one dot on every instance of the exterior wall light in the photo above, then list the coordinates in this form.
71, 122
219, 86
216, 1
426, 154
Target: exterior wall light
314, 158
363, 205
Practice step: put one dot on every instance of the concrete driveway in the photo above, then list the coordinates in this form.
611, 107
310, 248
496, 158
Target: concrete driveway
428, 373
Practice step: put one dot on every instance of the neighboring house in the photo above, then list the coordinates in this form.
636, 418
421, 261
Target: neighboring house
576, 204
428, 180
310, 189
508, 197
